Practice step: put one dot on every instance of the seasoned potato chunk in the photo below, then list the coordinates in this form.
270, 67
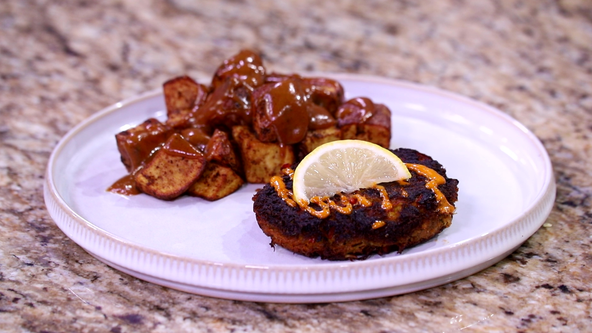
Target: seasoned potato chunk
136, 144
181, 95
361, 119
216, 182
221, 151
324, 92
261, 160
318, 137
172, 169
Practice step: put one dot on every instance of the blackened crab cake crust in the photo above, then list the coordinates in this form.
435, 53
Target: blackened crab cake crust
413, 219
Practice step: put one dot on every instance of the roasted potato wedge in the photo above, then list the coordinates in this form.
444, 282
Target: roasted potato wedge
172, 169
261, 160
361, 119
318, 137
181, 95
216, 182
324, 92
221, 150
137, 143
372, 133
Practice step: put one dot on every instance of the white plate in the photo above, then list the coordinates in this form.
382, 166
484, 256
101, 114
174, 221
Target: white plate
216, 248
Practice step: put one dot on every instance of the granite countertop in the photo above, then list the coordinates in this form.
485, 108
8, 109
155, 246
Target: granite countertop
61, 61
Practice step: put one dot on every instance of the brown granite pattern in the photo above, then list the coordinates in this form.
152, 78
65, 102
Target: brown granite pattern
60, 61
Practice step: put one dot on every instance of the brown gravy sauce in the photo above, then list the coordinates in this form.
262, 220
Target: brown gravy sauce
125, 185
280, 187
283, 109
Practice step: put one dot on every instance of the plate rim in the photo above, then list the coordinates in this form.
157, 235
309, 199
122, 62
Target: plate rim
78, 228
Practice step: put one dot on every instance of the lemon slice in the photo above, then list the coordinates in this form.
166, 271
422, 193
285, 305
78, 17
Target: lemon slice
345, 166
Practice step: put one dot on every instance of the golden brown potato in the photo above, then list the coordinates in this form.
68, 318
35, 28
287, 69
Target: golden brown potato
261, 160
172, 169
324, 92
216, 182
361, 119
318, 137
221, 151
181, 95
137, 143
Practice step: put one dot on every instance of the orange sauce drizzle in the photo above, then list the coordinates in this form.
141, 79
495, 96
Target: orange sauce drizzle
280, 187
288, 172
346, 203
360, 200
323, 202
378, 224
386, 202
344, 207
434, 179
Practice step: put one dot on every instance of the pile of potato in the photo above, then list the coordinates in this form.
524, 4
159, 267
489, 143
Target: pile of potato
243, 127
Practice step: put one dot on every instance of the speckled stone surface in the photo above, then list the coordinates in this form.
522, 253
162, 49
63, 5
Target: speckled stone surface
61, 61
